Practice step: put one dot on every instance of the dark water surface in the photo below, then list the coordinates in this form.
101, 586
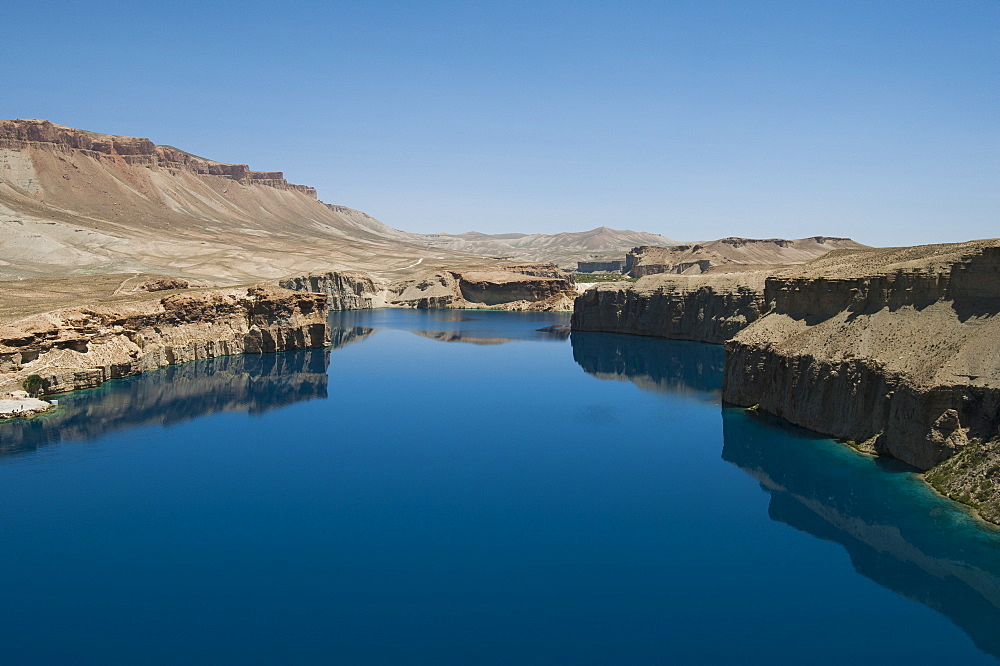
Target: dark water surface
518, 497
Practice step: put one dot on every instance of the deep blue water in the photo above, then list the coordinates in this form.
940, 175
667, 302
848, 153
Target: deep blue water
518, 496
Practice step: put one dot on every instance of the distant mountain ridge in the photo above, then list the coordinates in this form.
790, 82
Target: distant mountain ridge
565, 249
694, 258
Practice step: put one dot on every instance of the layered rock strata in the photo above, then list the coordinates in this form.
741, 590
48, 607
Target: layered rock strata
21, 134
78, 348
894, 350
703, 309
900, 354
345, 290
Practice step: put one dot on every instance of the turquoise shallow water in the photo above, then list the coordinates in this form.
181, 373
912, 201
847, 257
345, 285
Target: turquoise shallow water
463, 487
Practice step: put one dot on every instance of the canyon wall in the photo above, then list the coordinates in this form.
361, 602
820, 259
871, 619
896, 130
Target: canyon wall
894, 350
902, 356
78, 348
344, 290
703, 309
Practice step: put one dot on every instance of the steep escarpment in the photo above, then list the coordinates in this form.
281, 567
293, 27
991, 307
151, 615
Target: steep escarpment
701, 308
345, 290
695, 258
22, 134
893, 348
78, 348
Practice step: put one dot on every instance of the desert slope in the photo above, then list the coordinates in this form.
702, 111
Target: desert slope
730, 253
76, 202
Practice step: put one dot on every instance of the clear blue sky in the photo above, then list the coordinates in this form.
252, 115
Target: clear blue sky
701, 119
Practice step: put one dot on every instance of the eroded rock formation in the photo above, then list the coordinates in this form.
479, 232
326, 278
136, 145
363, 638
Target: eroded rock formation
79, 348
893, 349
704, 309
501, 287
20, 134
345, 290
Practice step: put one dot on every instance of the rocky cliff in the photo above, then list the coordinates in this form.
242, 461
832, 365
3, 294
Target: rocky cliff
701, 308
22, 134
344, 290
891, 349
79, 348
501, 287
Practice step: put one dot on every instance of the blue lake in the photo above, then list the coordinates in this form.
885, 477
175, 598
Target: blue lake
470, 487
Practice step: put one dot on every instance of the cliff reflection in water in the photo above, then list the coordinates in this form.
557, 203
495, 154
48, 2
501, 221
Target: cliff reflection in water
896, 531
652, 364
479, 327
246, 383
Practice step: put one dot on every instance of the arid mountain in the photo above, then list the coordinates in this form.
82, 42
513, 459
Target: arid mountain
564, 249
78, 203
731, 253
74, 202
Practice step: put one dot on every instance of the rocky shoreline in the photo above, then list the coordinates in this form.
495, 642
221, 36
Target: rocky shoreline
894, 349
78, 348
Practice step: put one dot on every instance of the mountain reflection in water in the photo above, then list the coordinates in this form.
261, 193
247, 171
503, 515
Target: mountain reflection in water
246, 383
897, 532
477, 327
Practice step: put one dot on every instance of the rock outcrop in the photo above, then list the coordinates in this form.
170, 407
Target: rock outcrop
894, 350
345, 290
695, 258
700, 308
79, 348
501, 287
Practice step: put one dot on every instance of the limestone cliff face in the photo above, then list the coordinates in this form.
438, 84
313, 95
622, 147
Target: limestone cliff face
895, 349
345, 290
83, 347
20, 134
902, 356
683, 308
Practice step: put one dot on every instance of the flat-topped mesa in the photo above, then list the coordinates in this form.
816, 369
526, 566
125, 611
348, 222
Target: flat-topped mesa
695, 258
538, 286
19, 134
